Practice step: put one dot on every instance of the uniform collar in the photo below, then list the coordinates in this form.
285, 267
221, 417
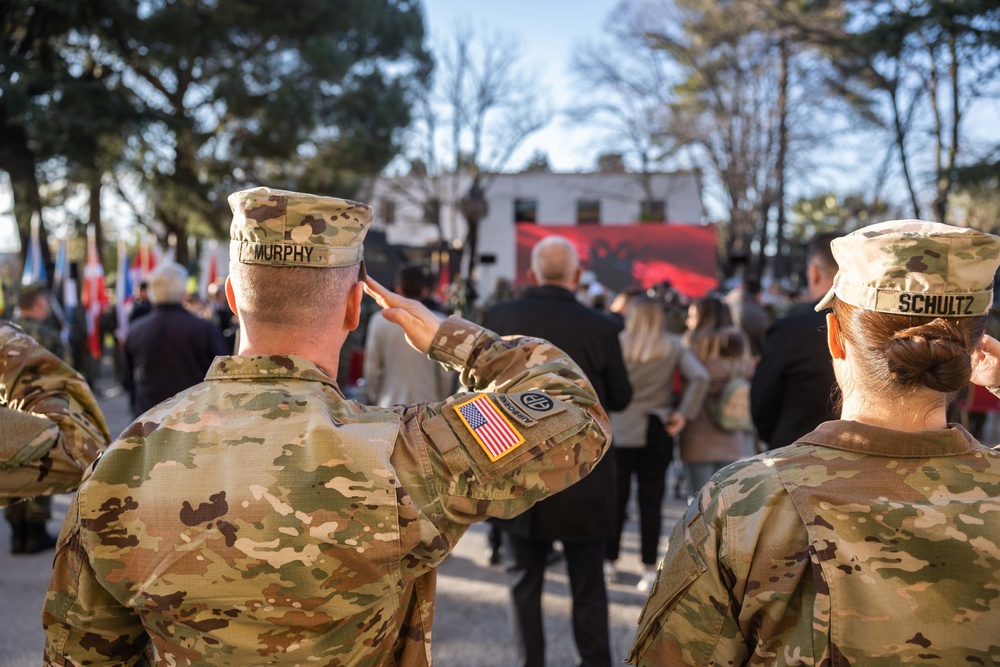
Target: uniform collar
853, 436
268, 367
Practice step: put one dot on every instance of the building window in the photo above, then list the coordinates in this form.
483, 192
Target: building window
588, 212
526, 210
388, 209
432, 211
653, 210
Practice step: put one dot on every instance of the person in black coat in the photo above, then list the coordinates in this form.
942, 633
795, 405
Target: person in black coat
169, 349
583, 516
793, 388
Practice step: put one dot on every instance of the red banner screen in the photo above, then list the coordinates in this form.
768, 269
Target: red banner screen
639, 255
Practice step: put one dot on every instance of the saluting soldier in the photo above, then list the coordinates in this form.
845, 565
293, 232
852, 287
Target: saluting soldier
261, 517
51, 429
874, 539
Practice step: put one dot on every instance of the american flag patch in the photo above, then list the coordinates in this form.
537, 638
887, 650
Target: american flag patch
491, 429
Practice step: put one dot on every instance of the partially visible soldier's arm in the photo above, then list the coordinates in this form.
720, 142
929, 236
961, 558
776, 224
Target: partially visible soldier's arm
51, 427
84, 624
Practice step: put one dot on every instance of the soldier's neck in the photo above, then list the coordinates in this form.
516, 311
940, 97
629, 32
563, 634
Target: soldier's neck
320, 347
921, 411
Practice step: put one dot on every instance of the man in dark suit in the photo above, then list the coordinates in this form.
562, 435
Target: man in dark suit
794, 389
582, 517
168, 349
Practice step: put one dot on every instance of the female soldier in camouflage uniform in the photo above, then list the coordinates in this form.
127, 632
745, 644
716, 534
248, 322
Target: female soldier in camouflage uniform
875, 539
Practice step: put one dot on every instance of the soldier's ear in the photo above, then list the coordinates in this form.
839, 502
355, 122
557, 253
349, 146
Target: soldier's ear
352, 313
833, 337
231, 296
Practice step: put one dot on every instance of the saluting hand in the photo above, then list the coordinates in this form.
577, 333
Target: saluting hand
986, 363
418, 322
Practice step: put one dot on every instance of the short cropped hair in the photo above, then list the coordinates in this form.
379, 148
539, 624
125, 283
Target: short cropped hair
28, 297
290, 295
167, 284
554, 259
818, 252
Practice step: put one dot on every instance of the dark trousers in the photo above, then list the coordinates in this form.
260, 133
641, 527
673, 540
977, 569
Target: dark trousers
584, 563
649, 466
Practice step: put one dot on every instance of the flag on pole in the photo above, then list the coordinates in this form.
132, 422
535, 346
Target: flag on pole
34, 267
63, 290
95, 296
123, 291
143, 264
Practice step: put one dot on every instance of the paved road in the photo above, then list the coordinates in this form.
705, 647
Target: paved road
471, 627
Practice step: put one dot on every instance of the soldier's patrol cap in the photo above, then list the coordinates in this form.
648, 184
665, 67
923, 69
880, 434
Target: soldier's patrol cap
281, 228
915, 267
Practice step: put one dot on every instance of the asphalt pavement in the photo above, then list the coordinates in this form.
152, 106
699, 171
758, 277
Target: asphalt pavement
471, 627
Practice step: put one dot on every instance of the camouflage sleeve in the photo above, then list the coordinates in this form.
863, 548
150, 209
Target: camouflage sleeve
531, 426
51, 427
83, 623
690, 615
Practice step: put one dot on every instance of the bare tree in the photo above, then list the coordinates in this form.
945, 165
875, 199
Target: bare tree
482, 106
625, 90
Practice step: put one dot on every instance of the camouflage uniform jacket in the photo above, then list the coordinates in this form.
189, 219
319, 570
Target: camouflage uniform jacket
51, 427
856, 545
261, 518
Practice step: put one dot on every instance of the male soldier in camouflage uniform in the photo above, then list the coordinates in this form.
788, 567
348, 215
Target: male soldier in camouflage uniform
873, 540
51, 429
27, 519
260, 517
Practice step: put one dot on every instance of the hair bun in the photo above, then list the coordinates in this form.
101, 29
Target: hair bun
933, 355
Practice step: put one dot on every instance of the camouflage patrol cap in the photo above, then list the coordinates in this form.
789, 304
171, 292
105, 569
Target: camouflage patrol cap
280, 228
914, 267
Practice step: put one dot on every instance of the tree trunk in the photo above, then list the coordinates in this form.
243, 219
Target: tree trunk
779, 168
95, 214
19, 163
900, 144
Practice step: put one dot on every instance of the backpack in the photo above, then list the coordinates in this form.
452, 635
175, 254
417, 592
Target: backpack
731, 410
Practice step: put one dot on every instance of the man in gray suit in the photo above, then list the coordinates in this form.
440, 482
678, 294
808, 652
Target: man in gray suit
395, 373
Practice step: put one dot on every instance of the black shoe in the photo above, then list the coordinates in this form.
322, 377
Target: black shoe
493, 556
17, 538
37, 539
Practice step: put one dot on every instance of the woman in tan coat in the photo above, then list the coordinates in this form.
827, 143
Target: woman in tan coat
705, 448
644, 432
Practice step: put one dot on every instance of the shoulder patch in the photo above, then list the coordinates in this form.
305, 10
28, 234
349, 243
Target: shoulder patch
529, 406
491, 429
513, 410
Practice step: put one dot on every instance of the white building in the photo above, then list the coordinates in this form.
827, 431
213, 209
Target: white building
421, 211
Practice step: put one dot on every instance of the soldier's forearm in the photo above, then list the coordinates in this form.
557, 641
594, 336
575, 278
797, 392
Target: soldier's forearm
488, 362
